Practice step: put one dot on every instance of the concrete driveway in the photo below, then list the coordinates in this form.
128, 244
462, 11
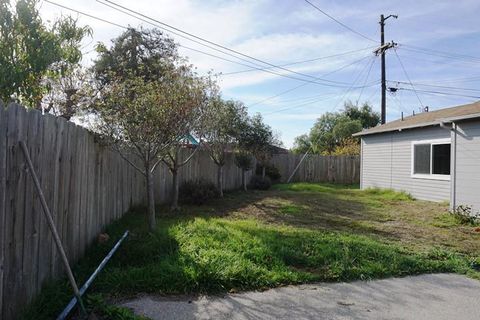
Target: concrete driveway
438, 296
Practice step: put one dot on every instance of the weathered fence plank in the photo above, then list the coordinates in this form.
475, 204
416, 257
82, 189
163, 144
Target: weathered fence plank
317, 168
86, 185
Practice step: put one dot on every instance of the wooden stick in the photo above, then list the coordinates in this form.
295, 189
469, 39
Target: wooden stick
53, 229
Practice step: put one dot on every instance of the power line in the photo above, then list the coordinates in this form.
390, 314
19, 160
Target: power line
440, 93
366, 79
299, 106
206, 53
408, 78
352, 85
136, 14
437, 86
442, 53
305, 61
339, 22
304, 84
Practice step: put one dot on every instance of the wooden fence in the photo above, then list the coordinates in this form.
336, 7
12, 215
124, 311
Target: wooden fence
316, 168
86, 185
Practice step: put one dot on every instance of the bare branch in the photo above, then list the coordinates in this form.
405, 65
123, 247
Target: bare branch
189, 157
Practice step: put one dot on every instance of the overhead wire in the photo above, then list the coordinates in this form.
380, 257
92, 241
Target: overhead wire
366, 79
235, 53
408, 77
305, 61
339, 22
316, 81
436, 86
304, 84
441, 53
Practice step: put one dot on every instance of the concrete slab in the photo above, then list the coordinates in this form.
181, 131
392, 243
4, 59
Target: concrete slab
436, 296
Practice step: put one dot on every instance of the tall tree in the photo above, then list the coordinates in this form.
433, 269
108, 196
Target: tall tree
258, 138
332, 132
31, 51
143, 53
193, 125
223, 122
245, 161
137, 111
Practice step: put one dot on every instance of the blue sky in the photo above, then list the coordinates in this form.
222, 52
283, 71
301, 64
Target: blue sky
283, 32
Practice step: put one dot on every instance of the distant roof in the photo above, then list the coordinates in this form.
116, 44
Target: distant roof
426, 119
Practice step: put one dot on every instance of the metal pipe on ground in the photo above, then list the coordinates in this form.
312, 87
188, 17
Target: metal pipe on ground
87, 283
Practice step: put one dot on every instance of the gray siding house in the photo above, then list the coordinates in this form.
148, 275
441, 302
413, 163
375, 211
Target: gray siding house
432, 155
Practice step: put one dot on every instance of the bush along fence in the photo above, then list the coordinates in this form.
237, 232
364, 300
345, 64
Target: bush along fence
86, 185
317, 168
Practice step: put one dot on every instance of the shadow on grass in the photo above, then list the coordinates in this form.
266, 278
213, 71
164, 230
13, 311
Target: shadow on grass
219, 247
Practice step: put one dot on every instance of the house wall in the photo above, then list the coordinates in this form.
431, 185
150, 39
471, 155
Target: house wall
467, 181
387, 163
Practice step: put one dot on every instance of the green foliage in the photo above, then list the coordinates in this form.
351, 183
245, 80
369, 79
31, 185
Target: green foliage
143, 53
270, 171
260, 183
223, 122
331, 133
32, 52
348, 147
244, 160
258, 138
464, 215
198, 191
148, 106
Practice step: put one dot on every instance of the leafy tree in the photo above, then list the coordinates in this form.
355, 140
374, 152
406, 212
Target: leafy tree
332, 129
31, 51
302, 144
140, 114
258, 138
344, 129
223, 122
245, 161
367, 117
347, 147
200, 90
140, 53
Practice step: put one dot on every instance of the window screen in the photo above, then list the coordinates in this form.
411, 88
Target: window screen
441, 159
421, 159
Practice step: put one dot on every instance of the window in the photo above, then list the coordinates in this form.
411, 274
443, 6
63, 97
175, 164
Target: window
431, 159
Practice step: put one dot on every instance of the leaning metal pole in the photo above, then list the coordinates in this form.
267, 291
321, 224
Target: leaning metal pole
87, 284
53, 229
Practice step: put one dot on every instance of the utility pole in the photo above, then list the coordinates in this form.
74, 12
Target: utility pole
381, 50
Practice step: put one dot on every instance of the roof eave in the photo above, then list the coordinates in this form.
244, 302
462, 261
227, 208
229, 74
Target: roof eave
420, 125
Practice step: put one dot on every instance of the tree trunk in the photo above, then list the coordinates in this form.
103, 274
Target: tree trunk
244, 179
150, 200
220, 180
263, 172
175, 193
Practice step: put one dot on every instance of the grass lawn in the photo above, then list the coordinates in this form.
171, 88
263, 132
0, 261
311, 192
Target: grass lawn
291, 234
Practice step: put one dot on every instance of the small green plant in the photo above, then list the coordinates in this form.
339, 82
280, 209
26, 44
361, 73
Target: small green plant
464, 215
259, 183
198, 191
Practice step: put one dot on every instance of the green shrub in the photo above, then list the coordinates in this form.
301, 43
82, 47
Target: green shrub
198, 191
270, 171
464, 215
259, 183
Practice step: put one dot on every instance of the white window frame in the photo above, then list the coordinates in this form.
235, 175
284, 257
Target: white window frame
430, 176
